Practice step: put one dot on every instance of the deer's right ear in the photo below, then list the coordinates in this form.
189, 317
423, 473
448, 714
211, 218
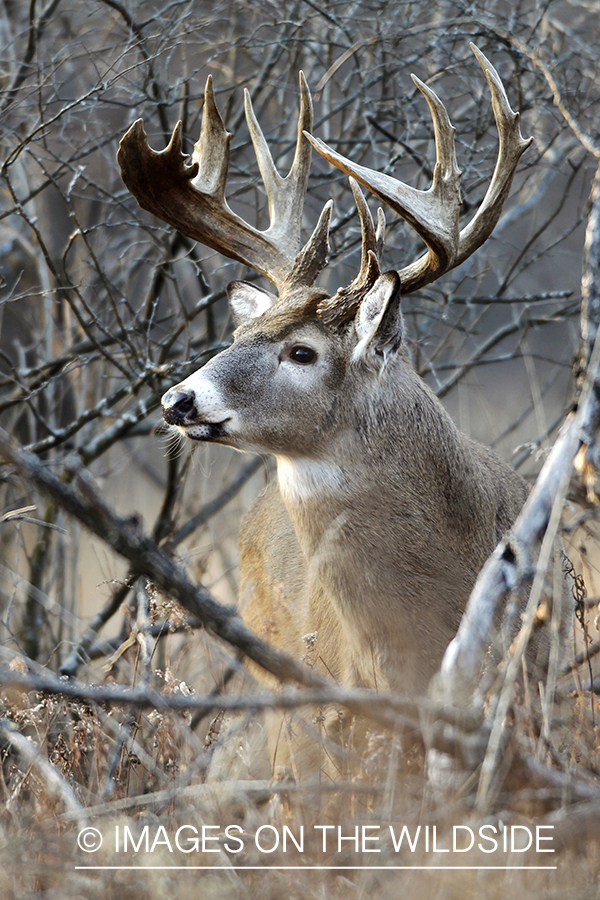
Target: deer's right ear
379, 324
247, 301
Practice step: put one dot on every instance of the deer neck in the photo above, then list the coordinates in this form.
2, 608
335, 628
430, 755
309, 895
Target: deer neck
352, 488
314, 491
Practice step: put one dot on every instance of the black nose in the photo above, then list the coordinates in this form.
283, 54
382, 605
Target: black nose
177, 406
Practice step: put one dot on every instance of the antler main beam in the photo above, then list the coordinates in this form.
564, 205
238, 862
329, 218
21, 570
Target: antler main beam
434, 214
192, 197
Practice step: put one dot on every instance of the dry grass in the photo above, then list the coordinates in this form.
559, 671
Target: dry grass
148, 774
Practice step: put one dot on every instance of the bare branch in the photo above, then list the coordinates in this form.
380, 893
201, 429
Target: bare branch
375, 705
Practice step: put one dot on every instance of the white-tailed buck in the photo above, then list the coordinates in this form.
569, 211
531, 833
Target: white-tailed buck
369, 543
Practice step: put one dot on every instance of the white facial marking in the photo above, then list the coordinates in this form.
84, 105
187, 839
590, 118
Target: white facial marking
209, 403
210, 409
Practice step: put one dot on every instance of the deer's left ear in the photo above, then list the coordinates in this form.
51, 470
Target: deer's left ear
379, 324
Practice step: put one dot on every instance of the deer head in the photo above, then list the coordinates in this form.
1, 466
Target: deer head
362, 319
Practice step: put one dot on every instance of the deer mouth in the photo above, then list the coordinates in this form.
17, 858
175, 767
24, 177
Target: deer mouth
175, 417
197, 429
193, 426
202, 430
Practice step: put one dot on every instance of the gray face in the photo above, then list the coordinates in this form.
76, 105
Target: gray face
276, 389
289, 384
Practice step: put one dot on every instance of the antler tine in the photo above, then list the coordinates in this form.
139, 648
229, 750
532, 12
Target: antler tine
313, 256
285, 195
372, 238
343, 305
434, 213
512, 145
211, 151
192, 197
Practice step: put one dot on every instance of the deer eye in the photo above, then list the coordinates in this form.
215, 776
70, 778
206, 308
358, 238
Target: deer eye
300, 353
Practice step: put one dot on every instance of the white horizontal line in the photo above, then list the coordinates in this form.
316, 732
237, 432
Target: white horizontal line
306, 868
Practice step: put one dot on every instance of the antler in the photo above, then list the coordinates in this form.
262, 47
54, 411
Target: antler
192, 197
342, 306
434, 214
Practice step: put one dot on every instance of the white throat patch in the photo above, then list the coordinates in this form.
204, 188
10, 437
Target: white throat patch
305, 479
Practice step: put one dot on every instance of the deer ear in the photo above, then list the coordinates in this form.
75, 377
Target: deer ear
247, 301
379, 324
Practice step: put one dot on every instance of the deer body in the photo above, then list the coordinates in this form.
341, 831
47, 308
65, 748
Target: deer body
383, 512
392, 510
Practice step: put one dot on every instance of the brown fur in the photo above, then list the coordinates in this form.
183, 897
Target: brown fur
382, 571
361, 560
